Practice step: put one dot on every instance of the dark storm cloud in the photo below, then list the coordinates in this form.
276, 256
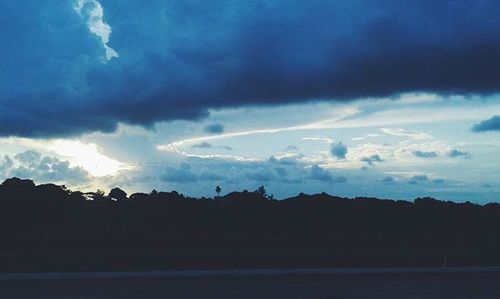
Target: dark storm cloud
492, 124
179, 58
423, 154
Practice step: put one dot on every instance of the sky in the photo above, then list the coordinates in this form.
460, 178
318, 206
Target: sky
391, 99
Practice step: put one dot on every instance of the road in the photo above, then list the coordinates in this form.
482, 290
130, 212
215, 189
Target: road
310, 286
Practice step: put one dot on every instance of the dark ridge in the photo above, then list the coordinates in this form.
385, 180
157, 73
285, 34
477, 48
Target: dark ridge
50, 228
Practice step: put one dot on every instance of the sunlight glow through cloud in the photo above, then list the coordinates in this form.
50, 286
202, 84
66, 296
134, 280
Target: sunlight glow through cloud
78, 153
89, 157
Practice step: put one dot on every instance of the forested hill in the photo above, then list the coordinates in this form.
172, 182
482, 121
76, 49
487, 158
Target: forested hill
161, 230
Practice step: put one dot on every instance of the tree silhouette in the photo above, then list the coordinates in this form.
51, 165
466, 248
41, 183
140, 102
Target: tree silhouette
321, 230
117, 194
261, 191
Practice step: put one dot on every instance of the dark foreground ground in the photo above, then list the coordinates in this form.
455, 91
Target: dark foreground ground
326, 286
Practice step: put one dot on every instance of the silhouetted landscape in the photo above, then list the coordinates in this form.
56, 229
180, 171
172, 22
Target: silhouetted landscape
50, 228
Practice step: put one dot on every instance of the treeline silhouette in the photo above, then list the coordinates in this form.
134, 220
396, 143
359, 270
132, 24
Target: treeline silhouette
50, 228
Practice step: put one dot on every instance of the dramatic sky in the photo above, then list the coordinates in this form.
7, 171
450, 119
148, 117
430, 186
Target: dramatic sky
394, 99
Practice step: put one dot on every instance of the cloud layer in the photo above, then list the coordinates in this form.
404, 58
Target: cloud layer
179, 58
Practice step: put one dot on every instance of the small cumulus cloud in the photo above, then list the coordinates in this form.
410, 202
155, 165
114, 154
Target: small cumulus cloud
418, 178
456, 153
388, 179
372, 159
214, 128
291, 148
492, 124
338, 150
424, 154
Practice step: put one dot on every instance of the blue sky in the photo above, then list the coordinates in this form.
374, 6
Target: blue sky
392, 99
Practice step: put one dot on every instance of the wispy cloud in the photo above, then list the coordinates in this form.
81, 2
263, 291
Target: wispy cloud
405, 133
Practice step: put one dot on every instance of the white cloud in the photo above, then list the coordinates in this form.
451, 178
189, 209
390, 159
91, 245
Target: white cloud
93, 12
88, 156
